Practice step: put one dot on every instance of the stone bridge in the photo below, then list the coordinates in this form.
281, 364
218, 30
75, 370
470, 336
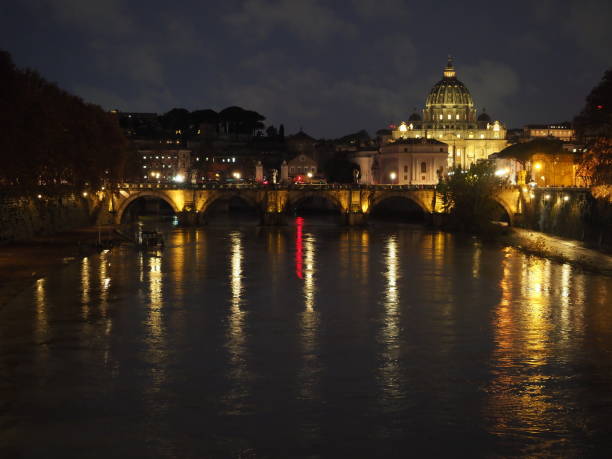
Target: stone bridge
355, 202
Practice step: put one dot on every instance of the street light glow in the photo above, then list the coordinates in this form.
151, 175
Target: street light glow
392, 176
500, 172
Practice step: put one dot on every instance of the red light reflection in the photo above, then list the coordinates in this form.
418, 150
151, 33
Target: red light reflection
299, 252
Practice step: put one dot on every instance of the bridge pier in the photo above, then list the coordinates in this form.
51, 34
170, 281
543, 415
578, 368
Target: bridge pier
273, 219
355, 219
188, 218
436, 219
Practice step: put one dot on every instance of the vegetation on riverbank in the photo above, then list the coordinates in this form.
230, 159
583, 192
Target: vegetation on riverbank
467, 199
53, 137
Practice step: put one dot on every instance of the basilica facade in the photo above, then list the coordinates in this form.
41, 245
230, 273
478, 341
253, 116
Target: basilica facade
450, 117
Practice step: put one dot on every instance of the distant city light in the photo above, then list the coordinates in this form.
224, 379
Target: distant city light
179, 178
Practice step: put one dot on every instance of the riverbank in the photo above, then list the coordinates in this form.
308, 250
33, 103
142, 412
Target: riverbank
23, 262
559, 249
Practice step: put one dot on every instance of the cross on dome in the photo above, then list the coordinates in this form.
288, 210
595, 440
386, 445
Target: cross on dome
449, 71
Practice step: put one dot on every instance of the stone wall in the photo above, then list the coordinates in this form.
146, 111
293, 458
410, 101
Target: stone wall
571, 213
25, 217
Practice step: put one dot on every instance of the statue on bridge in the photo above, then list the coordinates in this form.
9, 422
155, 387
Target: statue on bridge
356, 175
274, 176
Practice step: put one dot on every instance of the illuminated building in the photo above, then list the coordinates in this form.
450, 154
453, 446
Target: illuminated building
412, 162
554, 169
450, 116
163, 165
561, 131
302, 164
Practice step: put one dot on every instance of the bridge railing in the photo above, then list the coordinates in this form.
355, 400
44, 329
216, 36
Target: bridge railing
256, 186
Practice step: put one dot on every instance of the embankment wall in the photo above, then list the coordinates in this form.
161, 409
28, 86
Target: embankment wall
23, 217
584, 215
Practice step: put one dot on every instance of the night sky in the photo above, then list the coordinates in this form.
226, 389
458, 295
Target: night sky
331, 69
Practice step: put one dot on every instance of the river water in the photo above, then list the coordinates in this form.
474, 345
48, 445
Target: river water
309, 341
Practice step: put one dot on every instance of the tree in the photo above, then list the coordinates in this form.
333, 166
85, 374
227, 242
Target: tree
340, 170
595, 119
595, 167
271, 132
467, 196
236, 120
177, 119
51, 137
281, 132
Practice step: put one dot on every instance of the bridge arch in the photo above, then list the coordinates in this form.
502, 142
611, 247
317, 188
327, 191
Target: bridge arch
144, 194
225, 196
506, 208
383, 196
296, 198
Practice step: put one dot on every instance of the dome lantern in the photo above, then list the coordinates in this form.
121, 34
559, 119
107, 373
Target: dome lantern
449, 71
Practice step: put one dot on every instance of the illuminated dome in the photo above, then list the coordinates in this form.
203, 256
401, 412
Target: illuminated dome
450, 103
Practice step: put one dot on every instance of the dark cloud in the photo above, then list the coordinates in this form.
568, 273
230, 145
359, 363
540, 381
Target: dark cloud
332, 67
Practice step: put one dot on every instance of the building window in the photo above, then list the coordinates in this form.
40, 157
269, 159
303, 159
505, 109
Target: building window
405, 168
441, 117
458, 117
292, 170
449, 116
423, 167
405, 150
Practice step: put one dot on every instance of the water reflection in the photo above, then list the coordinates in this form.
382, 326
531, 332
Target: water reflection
85, 287
309, 321
104, 280
42, 321
519, 394
391, 321
237, 316
498, 350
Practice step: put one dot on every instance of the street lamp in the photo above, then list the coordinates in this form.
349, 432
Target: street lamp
392, 176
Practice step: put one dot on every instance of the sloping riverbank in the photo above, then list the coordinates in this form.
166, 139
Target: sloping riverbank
560, 249
22, 263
